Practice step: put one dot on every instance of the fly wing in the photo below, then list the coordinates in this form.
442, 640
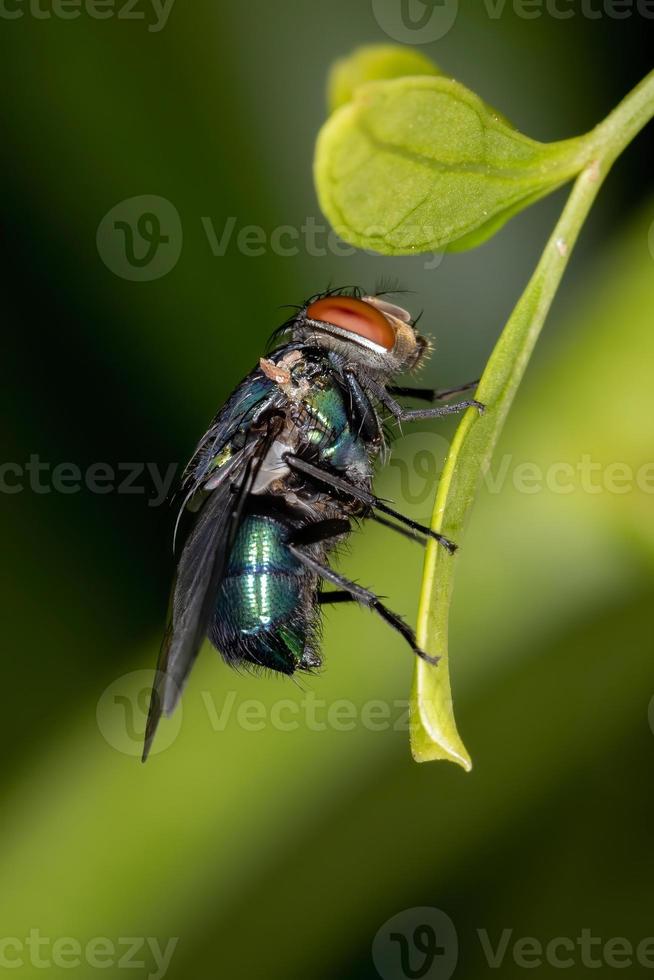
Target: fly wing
256, 393
199, 573
255, 397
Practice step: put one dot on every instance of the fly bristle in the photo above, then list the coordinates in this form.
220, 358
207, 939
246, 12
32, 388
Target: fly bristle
389, 286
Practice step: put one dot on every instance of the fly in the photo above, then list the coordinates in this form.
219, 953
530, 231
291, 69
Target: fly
275, 483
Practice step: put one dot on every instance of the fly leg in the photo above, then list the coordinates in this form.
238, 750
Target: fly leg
344, 486
430, 394
334, 597
409, 533
324, 531
402, 414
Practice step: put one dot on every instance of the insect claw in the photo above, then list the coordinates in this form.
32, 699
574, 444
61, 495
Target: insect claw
481, 408
429, 659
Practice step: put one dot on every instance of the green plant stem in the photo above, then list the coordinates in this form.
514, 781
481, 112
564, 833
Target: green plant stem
614, 134
433, 730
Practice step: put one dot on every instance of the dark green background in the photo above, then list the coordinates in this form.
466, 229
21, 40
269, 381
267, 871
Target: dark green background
275, 853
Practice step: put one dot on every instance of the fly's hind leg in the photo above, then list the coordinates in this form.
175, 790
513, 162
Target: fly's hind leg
324, 531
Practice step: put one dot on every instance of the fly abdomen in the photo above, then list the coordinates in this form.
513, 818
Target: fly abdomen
264, 614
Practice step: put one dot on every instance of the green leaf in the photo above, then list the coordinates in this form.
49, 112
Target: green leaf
422, 164
370, 63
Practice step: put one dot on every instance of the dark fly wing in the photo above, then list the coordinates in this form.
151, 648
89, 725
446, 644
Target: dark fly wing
200, 570
198, 574
255, 393
229, 474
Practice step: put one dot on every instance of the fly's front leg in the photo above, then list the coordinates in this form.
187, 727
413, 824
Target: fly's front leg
323, 531
402, 414
430, 394
414, 414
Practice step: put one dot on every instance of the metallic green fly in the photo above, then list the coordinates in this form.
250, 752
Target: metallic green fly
275, 482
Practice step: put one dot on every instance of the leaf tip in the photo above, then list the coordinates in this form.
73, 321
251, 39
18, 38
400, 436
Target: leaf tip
425, 750
373, 62
433, 732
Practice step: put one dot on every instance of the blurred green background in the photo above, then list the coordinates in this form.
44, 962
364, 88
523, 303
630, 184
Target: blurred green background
267, 851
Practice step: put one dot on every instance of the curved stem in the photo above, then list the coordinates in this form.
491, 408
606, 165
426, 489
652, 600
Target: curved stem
433, 730
614, 134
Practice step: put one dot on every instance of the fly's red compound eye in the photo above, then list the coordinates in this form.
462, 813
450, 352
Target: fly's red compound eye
356, 317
